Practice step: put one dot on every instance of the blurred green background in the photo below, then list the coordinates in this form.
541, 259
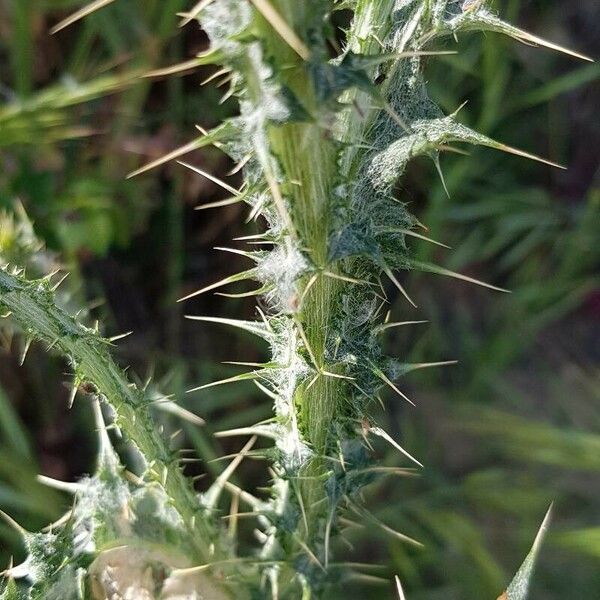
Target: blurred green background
513, 427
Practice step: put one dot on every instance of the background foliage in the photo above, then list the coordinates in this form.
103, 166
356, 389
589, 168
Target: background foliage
513, 427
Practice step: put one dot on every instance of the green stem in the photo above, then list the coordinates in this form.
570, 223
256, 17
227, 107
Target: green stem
33, 308
307, 157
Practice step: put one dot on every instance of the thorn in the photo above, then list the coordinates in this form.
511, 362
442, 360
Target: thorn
210, 177
251, 255
391, 384
459, 109
518, 587
220, 203
175, 434
524, 37
233, 515
173, 69
114, 338
273, 580
257, 455
393, 279
400, 471
539, 538
190, 461
255, 236
256, 430
257, 292
517, 152
384, 326
282, 28
428, 267
257, 365
25, 350
383, 434
211, 497
215, 75
399, 589
306, 343
53, 343
415, 366
341, 455
350, 523
228, 95
438, 168
186, 149
80, 14
307, 287
244, 275
279, 202
368, 578
257, 209
266, 390
412, 233
240, 165
346, 278
59, 522
194, 12
234, 379
226, 79
59, 282
252, 501
63, 486
298, 494
264, 319
425, 238
336, 375
448, 148
46, 278
201, 129
105, 449
442, 363
183, 413
186, 450
13, 524
309, 552
371, 517
260, 536
72, 395
254, 327
313, 380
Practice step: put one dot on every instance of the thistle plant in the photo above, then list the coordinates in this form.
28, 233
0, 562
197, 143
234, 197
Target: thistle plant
323, 135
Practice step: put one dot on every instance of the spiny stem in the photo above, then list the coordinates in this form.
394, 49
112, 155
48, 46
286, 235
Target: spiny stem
33, 308
307, 156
